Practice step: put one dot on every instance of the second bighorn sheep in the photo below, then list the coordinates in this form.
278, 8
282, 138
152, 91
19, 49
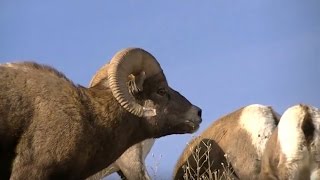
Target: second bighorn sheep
131, 164
51, 128
240, 135
293, 150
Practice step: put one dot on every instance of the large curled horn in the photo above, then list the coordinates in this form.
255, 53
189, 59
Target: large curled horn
126, 62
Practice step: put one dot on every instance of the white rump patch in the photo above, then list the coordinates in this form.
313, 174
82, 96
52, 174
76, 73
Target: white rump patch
258, 120
292, 140
290, 134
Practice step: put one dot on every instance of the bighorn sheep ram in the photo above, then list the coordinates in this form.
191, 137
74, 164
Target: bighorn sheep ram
51, 128
130, 165
293, 150
241, 136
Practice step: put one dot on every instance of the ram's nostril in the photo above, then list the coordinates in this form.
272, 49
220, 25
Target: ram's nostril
199, 112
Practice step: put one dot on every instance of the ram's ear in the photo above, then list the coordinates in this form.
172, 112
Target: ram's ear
135, 83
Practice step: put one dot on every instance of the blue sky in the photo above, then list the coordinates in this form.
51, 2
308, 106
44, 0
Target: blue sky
220, 54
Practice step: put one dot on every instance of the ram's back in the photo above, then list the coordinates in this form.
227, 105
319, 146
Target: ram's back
28, 90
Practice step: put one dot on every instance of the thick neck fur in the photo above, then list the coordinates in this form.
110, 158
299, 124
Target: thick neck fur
114, 129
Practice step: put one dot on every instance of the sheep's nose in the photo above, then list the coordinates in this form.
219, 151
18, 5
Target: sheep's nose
199, 112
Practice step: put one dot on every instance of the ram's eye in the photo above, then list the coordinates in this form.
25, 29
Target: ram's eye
162, 91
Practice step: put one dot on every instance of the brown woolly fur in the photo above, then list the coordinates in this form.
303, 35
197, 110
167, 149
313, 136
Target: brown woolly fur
232, 139
51, 128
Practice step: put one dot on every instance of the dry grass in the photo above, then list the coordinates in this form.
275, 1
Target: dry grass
202, 160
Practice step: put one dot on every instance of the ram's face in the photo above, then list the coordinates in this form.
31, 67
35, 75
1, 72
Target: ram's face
174, 113
137, 82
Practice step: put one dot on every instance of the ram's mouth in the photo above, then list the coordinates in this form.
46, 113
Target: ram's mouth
189, 126
193, 125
